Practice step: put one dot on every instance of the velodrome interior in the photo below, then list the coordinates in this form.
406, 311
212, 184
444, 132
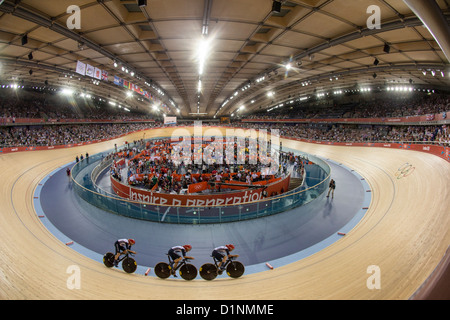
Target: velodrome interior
330, 50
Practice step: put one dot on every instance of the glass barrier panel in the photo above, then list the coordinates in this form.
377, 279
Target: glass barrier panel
314, 185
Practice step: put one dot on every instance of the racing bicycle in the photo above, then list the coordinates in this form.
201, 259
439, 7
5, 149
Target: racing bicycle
129, 265
186, 270
209, 271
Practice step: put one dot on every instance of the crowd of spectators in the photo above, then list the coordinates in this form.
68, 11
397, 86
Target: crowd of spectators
150, 165
35, 104
53, 135
437, 134
40, 105
381, 107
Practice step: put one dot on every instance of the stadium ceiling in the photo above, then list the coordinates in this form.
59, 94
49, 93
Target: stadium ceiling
211, 57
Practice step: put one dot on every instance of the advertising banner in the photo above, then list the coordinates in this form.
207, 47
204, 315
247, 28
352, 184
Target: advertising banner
189, 200
170, 120
90, 70
81, 68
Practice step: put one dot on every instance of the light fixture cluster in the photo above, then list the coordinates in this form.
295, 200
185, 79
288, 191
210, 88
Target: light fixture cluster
12, 86
126, 70
155, 88
400, 89
112, 103
246, 87
234, 95
260, 79
16, 86
148, 84
434, 72
287, 103
71, 93
70, 76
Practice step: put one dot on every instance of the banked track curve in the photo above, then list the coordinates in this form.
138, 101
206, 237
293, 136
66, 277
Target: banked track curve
405, 233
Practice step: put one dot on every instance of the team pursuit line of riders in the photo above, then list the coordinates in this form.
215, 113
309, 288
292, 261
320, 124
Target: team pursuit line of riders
222, 258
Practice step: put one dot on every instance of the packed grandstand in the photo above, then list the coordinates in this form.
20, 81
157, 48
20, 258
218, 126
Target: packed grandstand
150, 165
32, 117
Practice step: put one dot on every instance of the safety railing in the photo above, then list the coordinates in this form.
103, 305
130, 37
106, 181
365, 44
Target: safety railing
315, 184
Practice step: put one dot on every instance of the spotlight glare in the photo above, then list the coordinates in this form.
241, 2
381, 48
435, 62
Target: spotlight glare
202, 53
67, 91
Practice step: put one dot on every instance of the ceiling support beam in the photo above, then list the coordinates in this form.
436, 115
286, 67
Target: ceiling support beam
296, 86
434, 20
117, 91
206, 17
395, 25
28, 15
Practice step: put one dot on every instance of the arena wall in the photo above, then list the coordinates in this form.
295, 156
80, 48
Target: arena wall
275, 186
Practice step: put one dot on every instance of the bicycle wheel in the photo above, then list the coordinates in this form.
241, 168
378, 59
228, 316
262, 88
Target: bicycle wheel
129, 265
208, 271
162, 270
108, 259
188, 271
235, 269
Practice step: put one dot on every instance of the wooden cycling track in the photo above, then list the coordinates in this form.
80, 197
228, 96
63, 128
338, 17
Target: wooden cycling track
405, 232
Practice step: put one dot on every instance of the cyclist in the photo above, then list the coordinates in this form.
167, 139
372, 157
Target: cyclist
222, 253
122, 247
177, 254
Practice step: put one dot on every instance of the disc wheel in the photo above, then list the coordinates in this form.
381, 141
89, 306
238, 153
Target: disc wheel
235, 269
208, 271
188, 271
162, 270
108, 259
129, 265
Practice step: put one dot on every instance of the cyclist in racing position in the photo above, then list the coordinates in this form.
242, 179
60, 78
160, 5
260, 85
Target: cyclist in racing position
222, 253
177, 254
122, 247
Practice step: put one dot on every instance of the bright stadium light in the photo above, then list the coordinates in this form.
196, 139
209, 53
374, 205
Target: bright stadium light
202, 53
67, 92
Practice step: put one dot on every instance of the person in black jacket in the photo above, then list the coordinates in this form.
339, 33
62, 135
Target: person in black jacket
332, 186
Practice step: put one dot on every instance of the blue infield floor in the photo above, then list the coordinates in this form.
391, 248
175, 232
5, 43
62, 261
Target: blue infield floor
278, 240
